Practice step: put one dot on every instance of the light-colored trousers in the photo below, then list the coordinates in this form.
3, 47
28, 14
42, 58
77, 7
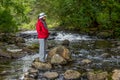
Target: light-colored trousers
42, 49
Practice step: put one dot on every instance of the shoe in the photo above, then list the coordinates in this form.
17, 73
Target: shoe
43, 61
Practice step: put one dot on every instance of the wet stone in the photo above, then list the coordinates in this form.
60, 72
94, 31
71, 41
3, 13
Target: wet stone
72, 74
97, 76
105, 55
116, 74
86, 61
41, 65
32, 70
66, 43
50, 75
57, 59
60, 50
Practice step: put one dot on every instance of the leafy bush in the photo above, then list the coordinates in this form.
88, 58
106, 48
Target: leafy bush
13, 13
7, 24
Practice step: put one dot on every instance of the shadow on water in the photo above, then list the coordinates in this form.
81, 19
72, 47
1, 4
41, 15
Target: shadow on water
100, 52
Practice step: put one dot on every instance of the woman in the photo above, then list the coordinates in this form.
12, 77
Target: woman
43, 34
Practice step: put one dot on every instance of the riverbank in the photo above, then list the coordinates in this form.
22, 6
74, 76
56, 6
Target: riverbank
13, 46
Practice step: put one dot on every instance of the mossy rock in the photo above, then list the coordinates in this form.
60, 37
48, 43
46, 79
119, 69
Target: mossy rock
104, 34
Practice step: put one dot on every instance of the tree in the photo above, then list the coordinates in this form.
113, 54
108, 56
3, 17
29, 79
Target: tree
13, 13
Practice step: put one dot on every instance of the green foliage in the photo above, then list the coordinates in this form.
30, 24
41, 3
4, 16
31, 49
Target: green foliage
117, 32
6, 22
108, 15
79, 14
13, 13
47, 6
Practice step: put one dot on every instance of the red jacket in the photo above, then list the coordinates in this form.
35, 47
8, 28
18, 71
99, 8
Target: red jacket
41, 30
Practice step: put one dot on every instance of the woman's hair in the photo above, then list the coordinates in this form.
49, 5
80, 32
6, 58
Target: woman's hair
38, 17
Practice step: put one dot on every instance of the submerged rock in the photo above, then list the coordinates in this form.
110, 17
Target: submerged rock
19, 40
5, 73
86, 61
105, 55
31, 74
72, 74
66, 43
4, 54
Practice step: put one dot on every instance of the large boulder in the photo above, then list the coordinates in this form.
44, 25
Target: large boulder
57, 59
61, 51
116, 75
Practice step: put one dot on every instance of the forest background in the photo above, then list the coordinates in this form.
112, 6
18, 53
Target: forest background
83, 16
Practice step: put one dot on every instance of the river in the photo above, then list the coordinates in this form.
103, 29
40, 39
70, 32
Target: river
100, 51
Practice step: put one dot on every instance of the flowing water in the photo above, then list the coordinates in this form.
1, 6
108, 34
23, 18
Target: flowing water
81, 47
